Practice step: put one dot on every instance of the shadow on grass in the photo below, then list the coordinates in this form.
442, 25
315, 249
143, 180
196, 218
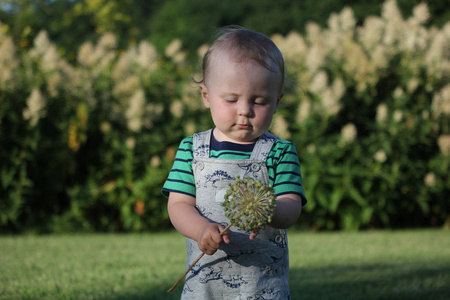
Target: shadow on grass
350, 282
378, 281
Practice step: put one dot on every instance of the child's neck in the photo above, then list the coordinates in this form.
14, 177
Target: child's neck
220, 140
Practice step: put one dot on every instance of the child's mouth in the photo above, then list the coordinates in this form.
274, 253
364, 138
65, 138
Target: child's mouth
244, 126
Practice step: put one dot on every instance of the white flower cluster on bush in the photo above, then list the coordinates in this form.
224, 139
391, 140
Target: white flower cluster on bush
369, 103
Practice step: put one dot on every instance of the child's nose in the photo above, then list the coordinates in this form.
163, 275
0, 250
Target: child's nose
245, 109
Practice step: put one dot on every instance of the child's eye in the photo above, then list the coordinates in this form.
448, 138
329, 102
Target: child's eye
230, 99
260, 102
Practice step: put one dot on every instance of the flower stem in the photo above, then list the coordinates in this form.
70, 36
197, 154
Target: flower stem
196, 261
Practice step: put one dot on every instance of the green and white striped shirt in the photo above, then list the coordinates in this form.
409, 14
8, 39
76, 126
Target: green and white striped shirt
282, 165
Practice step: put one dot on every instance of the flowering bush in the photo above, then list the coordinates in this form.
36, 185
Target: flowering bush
370, 116
87, 146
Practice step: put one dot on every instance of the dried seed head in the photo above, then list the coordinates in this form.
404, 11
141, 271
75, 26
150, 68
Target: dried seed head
249, 204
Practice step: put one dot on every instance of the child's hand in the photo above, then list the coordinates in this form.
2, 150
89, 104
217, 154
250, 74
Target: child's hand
254, 234
209, 238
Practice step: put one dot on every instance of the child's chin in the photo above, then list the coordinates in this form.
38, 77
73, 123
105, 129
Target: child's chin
246, 140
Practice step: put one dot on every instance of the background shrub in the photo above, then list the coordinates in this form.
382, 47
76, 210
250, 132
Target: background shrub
87, 142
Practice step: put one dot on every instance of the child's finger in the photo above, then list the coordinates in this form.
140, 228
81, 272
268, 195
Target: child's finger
254, 234
226, 238
213, 245
216, 237
224, 234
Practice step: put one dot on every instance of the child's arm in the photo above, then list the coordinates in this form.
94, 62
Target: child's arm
289, 207
188, 221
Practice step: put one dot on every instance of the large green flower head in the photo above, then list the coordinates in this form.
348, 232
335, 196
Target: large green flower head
249, 204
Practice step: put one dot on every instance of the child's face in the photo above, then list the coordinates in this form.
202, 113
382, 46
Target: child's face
242, 97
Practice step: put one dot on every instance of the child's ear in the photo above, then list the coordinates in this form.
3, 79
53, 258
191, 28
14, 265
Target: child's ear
204, 93
279, 98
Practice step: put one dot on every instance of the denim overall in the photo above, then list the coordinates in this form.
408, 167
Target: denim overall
243, 269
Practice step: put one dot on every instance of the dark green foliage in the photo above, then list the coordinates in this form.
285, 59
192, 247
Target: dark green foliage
71, 23
90, 122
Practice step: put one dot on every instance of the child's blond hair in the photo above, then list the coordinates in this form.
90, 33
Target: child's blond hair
244, 44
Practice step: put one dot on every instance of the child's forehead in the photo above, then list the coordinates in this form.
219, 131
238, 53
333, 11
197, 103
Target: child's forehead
227, 70
221, 58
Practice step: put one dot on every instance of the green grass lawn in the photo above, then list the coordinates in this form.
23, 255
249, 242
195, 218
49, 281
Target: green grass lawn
413, 264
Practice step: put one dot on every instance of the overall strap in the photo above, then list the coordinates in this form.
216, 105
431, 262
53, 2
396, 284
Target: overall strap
201, 144
263, 147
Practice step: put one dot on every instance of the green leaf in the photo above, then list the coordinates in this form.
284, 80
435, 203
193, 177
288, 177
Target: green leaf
335, 199
366, 214
355, 195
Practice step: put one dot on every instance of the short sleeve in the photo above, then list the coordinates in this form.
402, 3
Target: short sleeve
285, 170
181, 176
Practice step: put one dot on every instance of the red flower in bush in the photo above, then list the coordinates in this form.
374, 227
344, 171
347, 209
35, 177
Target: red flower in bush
139, 207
